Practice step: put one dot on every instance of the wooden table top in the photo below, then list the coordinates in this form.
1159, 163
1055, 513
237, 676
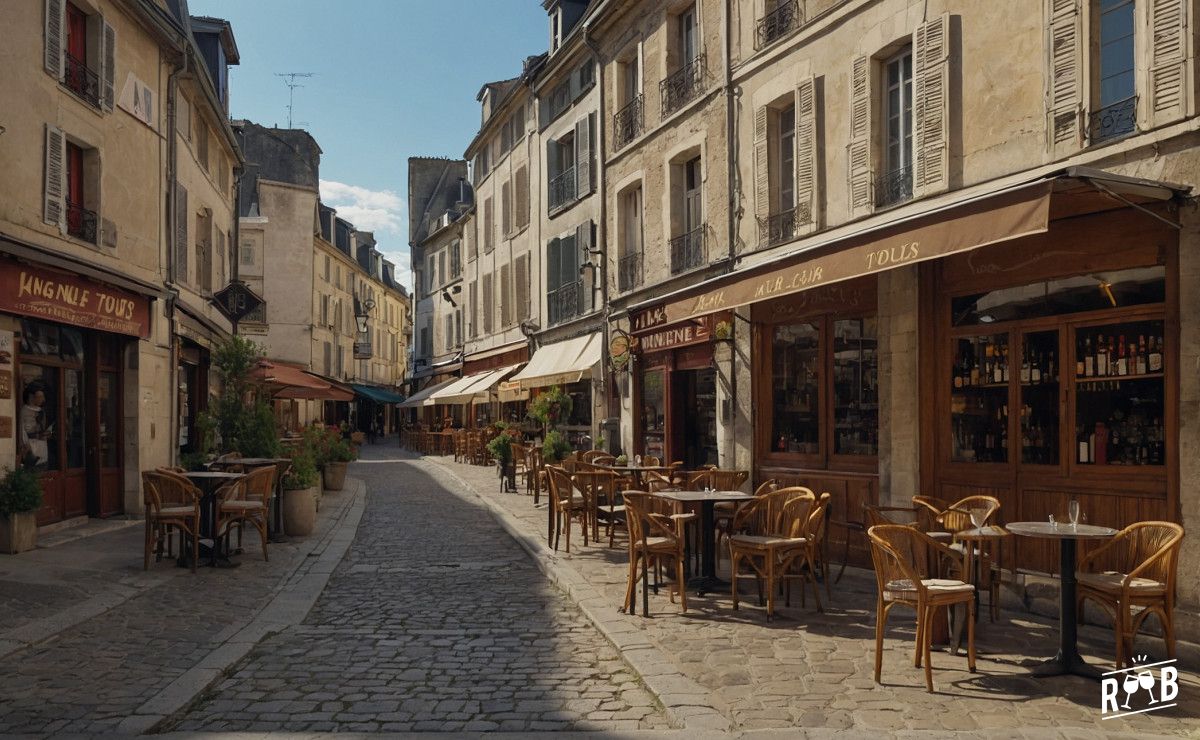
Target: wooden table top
989, 532
251, 461
211, 475
1059, 531
694, 496
632, 468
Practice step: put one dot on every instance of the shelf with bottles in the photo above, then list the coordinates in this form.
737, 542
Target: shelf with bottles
1121, 426
1132, 349
1040, 403
979, 429
980, 362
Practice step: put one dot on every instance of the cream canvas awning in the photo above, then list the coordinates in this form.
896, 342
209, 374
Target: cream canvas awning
562, 362
491, 381
421, 397
468, 389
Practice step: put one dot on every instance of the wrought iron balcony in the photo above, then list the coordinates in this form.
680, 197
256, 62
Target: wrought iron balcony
781, 227
683, 85
688, 251
565, 302
80, 80
777, 24
894, 187
81, 223
1113, 121
629, 271
562, 188
628, 122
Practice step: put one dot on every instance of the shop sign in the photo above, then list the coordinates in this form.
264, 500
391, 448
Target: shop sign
362, 351
618, 350
58, 296
679, 335
236, 300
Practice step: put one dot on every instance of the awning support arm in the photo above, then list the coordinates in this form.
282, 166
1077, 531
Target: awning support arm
1131, 204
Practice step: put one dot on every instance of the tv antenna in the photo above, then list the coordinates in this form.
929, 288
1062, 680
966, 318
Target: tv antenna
290, 81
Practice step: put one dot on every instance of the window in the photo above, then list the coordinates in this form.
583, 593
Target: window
443, 276
688, 247
785, 164
455, 258
458, 328
555, 30
201, 130
1116, 112
328, 357
521, 196
564, 287
431, 273
629, 263
686, 62
247, 254
786, 158
488, 307
521, 287
506, 308
341, 361
326, 268
689, 45
781, 18
569, 164
204, 248
81, 222
324, 310
80, 52
448, 337
479, 168
489, 228
426, 347
473, 310
506, 221
629, 119
896, 183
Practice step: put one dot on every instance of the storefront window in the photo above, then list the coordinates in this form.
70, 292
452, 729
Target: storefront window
108, 392
979, 402
653, 413
1039, 374
73, 403
855, 387
38, 431
1093, 292
796, 363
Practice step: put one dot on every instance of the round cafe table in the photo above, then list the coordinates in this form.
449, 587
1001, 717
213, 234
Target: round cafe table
275, 520
635, 471
208, 481
1068, 660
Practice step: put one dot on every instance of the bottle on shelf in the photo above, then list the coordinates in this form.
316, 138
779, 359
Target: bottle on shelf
1035, 373
1101, 357
1155, 363
1089, 359
1140, 362
1122, 363
1025, 369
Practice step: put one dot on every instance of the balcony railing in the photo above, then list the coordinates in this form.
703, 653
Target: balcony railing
778, 23
781, 227
565, 302
628, 122
682, 85
688, 251
1113, 121
894, 187
80, 80
629, 271
562, 188
81, 223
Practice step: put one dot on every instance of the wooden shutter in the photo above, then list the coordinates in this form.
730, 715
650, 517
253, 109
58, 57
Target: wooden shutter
473, 310
181, 233
807, 197
583, 156
54, 38
505, 291
506, 224
56, 176
1065, 71
762, 167
553, 268
858, 153
583, 244
488, 227
108, 63
488, 305
521, 287
522, 196
1170, 77
931, 106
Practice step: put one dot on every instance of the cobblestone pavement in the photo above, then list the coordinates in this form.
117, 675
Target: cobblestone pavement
435, 620
162, 623
813, 670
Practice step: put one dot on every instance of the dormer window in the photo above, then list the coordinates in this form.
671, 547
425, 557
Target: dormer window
555, 30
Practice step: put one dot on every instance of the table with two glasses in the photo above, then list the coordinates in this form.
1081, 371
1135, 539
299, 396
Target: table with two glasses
707, 580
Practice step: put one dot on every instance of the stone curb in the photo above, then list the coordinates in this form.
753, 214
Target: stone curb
292, 598
685, 702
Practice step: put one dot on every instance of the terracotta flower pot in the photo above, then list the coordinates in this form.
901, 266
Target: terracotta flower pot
300, 511
18, 532
334, 475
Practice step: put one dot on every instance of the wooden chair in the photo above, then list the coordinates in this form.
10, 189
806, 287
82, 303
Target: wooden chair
1143, 560
651, 461
723, 512
566, 503
775, 524
653, 536
728, 480
172, 503
903, 577
600, 492
249, 503
592, 455
929, 508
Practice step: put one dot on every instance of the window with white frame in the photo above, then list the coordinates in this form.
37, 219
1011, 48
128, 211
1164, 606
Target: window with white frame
1115, 107
896, 183
629, 263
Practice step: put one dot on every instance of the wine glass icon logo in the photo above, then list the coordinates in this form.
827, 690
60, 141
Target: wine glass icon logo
1131, 686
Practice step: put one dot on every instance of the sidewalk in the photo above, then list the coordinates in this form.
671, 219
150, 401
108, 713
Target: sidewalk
93, 644
814, 670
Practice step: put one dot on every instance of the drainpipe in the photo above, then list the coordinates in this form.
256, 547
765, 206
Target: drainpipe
735, 216
602, 229
181, 68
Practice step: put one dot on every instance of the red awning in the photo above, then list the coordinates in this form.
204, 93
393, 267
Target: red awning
289, 381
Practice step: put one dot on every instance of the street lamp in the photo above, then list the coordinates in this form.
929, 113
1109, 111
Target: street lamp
361, 315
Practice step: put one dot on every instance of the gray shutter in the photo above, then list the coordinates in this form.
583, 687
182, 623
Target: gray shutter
54, 38
931, 106
108, 63
56, 175
807, 197
553, 270
181, 234
858, 153
762, 167
1170, 73
583, 156
521, 288
1065, 70
583, 243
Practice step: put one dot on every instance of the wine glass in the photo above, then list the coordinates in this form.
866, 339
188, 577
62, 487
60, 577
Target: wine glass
1131, 685
1073, 513
1146, 681
637, 461
1052, 522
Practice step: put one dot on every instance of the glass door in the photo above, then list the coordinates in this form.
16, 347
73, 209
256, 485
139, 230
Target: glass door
654, 413
1039, 411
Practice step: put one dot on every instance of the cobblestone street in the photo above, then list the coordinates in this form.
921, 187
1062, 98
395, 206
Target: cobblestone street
436, 620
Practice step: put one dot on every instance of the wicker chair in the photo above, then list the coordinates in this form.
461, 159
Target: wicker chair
248, 503
903, 576
229, 460
566, 503
777, 523
1144, 558
653, 536
172, 503
600, 492
723, 512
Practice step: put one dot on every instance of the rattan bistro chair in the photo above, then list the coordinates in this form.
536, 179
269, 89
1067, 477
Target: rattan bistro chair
903, 576
248, 502
1144, 558
653, 537
777, 522
172, 504
567, 503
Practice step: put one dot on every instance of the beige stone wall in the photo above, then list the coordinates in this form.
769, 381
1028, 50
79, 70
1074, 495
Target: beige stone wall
338, 328
900, 364
289, 273
1189, 418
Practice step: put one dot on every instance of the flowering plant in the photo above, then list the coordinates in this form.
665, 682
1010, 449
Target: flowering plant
551, 407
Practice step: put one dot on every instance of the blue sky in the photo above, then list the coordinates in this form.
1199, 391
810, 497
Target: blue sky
393, 79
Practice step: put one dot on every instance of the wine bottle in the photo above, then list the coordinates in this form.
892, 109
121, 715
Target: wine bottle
1122, 364
1004, 377
1089, 359
1035, 373
1155, 362
1101, 357
998, 366
1140, 364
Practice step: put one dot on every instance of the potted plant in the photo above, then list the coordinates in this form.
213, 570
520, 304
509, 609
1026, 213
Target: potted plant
300, 493
333, 453
20, 498
500, 448
555, 447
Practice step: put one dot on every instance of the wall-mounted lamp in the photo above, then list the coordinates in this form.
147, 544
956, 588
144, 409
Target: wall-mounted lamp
363, 311
449, 293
